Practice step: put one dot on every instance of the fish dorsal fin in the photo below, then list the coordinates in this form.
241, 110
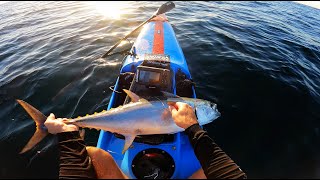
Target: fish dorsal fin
134, 97
128, 141
143, 100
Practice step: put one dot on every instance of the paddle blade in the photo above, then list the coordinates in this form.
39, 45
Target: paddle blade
166, 7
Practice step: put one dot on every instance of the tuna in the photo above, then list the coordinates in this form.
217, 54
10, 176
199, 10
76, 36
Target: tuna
139, 117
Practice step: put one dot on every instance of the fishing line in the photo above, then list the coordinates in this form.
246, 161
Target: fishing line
112, 89
160, 101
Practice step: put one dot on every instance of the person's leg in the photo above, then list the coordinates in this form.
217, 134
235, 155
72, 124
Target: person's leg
198, 175
104, 164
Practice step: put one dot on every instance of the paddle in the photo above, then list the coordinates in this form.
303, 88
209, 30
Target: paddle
162, 9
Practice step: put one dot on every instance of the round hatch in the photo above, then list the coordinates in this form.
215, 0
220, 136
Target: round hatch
153, 164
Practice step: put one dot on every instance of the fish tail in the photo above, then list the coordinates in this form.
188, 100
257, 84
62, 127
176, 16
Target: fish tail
39, 119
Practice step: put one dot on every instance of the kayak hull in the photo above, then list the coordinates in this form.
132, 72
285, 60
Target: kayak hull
156, 37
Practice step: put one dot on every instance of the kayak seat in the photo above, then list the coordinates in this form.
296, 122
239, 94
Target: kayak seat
125, 80
184, 86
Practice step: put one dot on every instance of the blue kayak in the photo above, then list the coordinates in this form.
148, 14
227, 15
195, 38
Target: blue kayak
156, 63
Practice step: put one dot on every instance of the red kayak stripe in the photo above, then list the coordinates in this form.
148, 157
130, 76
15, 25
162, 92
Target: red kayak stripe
158, 45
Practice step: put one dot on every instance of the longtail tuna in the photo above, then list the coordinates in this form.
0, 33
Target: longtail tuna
139, 117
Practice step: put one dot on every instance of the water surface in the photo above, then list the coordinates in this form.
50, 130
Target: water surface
259, 61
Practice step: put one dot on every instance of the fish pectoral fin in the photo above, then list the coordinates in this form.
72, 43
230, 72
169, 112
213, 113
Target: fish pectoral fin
128, 141
134, 97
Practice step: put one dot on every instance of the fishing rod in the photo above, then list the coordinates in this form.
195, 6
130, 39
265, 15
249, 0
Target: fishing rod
166, 7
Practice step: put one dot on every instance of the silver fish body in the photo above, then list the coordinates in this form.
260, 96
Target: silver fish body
140, 117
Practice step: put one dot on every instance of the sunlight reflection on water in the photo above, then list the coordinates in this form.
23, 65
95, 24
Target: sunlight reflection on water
111, 9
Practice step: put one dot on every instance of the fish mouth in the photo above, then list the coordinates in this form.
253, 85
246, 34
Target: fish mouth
214, 107
218, 113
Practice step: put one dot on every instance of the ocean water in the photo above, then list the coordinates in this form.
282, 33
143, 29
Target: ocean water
259, 61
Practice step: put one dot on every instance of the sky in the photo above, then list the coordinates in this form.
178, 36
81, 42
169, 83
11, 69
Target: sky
315, 4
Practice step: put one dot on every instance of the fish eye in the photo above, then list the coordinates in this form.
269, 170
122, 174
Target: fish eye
213, 105
195, 112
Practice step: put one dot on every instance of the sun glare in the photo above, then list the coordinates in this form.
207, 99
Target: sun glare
315, 4
111, 9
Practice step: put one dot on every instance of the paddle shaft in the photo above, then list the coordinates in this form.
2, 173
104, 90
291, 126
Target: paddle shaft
107, 53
